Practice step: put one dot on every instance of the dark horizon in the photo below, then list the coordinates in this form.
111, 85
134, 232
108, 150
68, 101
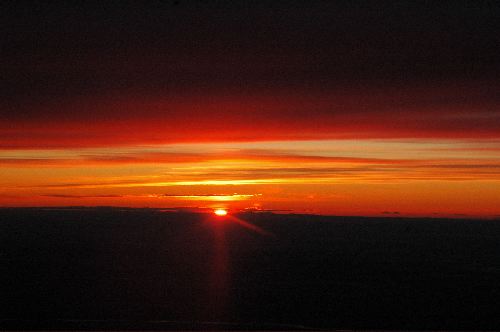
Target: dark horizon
210, 211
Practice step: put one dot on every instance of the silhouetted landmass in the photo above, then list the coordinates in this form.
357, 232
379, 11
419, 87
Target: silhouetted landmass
110, 268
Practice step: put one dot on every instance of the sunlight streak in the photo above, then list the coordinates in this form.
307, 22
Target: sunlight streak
251, 227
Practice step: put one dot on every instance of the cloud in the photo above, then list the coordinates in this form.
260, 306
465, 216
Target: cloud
212, 197
138, 157
80, 196
264, 116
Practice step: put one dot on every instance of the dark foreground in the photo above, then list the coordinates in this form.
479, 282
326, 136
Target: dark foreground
145, 269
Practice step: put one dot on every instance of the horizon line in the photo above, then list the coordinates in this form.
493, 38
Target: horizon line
208, 210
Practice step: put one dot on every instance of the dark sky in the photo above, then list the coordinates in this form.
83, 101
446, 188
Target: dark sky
268, 61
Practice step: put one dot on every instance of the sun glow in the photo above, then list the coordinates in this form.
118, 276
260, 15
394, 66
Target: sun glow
220, 212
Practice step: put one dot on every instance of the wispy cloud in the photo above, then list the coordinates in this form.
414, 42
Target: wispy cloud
213, 197
81, 196
272, 175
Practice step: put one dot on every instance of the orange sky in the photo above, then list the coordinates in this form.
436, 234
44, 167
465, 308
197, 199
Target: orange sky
305, 106
408, 149
346, 177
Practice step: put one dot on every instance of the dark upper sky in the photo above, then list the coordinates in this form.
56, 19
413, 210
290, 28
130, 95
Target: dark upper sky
57, 56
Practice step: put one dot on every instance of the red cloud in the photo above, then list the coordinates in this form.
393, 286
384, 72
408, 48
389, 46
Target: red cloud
467, 111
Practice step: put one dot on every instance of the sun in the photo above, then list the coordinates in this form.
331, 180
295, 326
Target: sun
220, 212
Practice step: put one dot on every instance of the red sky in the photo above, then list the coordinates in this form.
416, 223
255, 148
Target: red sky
446, 110
318, 107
